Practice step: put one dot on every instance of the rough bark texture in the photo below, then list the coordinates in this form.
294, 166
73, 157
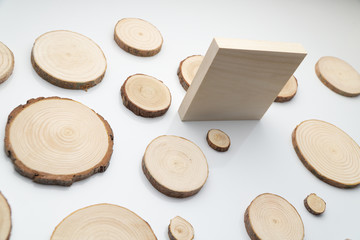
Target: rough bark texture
249, 228
287, 98
311, 210
171, 236
216, 147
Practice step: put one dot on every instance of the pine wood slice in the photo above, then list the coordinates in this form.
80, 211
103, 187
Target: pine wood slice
315, 204
5, 218
339, 76
175, 166
57, 141
6, 62
103, 221
218, 140
180, 229
138, 37
288, 91
328, 152
145, 96
270, 216
68, 60
188, 69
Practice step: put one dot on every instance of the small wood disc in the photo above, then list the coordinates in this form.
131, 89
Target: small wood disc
68, 60
328, 152
175, 166
315, 204
145, 96
6, 62
270, 216
138, 37
188, 69
5, 218
180, 229
288, 91
57, 141
339, 76
103, 221
218, 140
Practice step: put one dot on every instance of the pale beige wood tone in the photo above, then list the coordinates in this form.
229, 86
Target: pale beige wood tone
315, 204
218, 140
328, 152
188, 69
103, 221
288, 91
339, 76
68, 60
175, 166
239, 79
180, 229
138, 37
6, 62
271, 217
57, 141
5, 218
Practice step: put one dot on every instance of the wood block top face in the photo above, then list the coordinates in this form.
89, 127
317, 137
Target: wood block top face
239, 79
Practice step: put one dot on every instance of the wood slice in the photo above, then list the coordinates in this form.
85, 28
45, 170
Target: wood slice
180, 229
339, 76
188, 69
270, 216
5, 218
103, 221
6, 62
145, 96
57, 141
314, 204
288, 91
328, 152
138, 37
175, 166
68, 60
218, 140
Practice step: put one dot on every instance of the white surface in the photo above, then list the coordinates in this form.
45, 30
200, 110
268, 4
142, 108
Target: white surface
261, 157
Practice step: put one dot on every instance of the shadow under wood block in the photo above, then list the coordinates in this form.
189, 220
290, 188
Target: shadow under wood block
239, 79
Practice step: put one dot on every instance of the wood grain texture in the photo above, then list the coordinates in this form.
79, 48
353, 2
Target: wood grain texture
7, 62
315, 204
288, 91
180, 229
218, 140
5, 218
188, 69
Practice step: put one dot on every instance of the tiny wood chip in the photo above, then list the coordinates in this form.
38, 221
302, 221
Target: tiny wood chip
5, 218
218, 140
314, 204
180, 229
6, 62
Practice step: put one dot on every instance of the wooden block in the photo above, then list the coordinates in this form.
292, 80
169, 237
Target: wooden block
239, 79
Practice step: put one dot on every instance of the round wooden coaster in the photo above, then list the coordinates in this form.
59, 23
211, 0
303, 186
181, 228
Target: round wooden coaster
180, 229
270, 216
145, 96
218, 140
288, 91
103, 221
6, 62
138, 37
188, 69
68, 60
5, 218
57, 141
328, 152
175, 166
339, 76
315, 204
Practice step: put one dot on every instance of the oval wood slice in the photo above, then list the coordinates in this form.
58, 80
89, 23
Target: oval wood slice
188, 69
180, 229
175, 166
328, 152
68, 60
57, 141
145, 96
6, 62
5, 218
138, 37
103, 221
288, 91
270, 216
218, 140
315, 204
339, 76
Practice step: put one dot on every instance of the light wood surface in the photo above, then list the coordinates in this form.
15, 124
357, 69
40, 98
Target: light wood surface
288, 91
57, 141
6, 62
315, 204
188, 69
68, 60
180, 229
5, 218
218, 140
103, 221
239, 79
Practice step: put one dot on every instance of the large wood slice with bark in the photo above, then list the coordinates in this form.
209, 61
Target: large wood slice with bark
315, 204
188, 69
218, 140
103, 221
271, 217
288, 91
57, 141
5, 218
6, 62
138, 37
328, 152
180, 229
68, 60
175, 166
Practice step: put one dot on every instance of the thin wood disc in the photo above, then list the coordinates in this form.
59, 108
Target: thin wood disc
314, 204
175, 166
188, 69
339, 76
6, 62
5, 218
68, 60
218, 140
180, 229
288, 91
328, 152
270, 216
138, 37
145, 96
57, 141
103, 221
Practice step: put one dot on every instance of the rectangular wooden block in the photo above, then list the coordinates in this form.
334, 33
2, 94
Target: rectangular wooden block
239, 79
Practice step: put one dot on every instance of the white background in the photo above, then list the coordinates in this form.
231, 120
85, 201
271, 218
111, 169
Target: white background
261, 158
